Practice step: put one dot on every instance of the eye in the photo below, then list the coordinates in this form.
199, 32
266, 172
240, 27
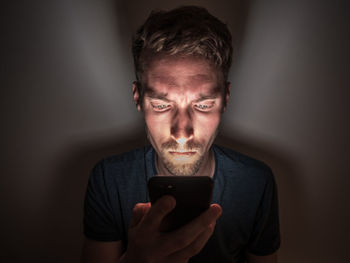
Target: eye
160, 107
204, 107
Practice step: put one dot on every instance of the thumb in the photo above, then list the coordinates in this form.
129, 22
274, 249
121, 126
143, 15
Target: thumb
139, 210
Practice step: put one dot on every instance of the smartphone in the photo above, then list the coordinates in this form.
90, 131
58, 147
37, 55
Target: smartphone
193, 195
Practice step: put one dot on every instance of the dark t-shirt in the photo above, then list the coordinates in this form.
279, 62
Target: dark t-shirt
244, 187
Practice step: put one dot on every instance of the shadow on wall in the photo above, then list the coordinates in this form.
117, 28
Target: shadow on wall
65, 211
291, 194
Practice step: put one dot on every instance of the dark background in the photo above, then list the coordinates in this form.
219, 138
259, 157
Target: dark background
66, 101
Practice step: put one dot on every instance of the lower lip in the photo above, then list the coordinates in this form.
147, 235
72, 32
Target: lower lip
182, 153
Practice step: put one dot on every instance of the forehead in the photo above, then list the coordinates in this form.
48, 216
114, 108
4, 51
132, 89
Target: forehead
181, 74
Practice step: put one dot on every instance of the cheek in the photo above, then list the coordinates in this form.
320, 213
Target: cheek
157, 125
207, 125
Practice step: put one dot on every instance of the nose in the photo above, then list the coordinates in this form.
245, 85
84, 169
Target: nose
181, 125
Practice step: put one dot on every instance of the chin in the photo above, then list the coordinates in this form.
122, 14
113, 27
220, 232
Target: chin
182, 170
180, 167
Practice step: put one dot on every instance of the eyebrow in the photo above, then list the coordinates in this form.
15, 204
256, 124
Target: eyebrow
207, 97
151, 93
169, 79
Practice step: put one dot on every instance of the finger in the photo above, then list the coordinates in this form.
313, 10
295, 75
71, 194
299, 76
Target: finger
185, 235
158, 211
139, 210
194, 248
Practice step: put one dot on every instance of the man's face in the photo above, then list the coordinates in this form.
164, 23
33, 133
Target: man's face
182, 107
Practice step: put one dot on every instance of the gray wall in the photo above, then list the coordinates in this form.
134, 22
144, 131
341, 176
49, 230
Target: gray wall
66, 74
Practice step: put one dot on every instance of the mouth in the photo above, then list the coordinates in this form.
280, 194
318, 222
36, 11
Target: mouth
182, 153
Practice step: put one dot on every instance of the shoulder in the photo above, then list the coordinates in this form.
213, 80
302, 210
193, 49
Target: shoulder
234, 158
128, 165
237, 165
132, 156
124, 159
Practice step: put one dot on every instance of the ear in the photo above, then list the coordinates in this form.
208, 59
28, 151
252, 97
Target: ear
136, 94
227, 95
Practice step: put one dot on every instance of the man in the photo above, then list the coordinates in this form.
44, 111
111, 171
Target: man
182, 58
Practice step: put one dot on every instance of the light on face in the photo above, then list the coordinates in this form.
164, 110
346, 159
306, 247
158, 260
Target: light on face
181, 141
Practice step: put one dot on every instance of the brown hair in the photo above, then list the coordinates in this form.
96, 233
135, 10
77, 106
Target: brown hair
185, 31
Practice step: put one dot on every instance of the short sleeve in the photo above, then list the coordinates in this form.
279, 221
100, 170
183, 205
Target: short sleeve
265, 238
99, 222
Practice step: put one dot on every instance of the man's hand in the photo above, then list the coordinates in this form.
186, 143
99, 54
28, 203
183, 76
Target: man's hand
147, 244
